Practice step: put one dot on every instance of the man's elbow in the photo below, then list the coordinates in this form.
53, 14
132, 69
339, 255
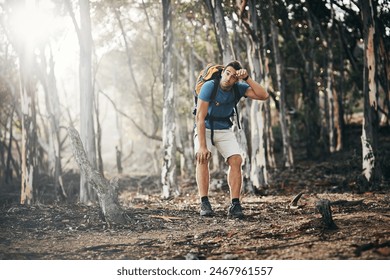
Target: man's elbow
266, 95
262, 95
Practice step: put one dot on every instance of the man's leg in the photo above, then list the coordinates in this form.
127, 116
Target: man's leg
203, 178
235, 182
229, 148
235, 175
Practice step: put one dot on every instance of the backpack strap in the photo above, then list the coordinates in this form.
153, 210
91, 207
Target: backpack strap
209, 116
215, 89
236, 100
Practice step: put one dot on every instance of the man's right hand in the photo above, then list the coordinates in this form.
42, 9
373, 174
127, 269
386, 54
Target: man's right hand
203, 155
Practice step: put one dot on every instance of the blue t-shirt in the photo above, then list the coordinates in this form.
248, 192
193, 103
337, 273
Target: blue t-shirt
223, 103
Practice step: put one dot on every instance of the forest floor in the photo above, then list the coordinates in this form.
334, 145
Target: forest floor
172, 229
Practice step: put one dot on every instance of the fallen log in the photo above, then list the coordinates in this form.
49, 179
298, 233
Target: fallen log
106, 189
323, 206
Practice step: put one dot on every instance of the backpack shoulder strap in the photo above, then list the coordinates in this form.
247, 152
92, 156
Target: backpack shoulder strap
237, 98
236, 92
215, 89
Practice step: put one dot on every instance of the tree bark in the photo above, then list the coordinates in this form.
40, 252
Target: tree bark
87, 130
107, 191
311, 106
257, 119
331, 113
168, 172
29, 167
221, 33
371, 168
288, 160
29, 136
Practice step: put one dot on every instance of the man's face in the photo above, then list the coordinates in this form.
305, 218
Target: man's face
229, 78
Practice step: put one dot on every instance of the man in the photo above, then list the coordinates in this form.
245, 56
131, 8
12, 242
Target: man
218, 132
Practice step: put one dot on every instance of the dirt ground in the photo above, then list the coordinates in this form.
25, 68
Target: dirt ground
173, 229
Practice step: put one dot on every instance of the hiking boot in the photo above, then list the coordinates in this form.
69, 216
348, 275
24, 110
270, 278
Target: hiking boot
206, 210
235, 211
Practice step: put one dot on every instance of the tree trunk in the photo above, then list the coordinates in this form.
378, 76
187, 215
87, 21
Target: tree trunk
269, 136
371, 168
311, 106
259, 174
29, 137
87, 130
8, 169
25, 50
221, 33
53, 107
168, 172
107, 191
339, 92
256, 119
330, 92
288, 160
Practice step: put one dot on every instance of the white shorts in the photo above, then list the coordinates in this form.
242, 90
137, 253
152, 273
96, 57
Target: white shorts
225, 142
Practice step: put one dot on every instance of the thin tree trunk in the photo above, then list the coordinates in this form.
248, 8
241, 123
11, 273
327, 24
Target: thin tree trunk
288, 160
339, 100
168, 172
332, 102
221, 33
99, 134
29, 125
256, 128
311, 108
87, 130
269, 137
371, 168
8, 169
29, 137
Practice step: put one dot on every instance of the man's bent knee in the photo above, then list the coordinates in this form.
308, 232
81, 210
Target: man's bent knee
235, 160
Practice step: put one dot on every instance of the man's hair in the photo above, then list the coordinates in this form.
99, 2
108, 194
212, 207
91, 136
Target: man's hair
235, 64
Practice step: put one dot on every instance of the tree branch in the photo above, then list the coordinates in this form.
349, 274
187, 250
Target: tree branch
150, 136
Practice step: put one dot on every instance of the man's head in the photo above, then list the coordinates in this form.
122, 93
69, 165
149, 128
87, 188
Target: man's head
229, 76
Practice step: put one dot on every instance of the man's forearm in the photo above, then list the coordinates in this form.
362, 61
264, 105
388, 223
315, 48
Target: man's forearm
258, 89
201, 130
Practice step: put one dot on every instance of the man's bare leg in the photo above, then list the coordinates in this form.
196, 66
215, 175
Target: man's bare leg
235, 176
235, 182
203, 181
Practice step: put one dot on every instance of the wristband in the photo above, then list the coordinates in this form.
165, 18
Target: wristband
247, 77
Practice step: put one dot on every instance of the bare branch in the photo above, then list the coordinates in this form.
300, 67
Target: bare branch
150, 136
